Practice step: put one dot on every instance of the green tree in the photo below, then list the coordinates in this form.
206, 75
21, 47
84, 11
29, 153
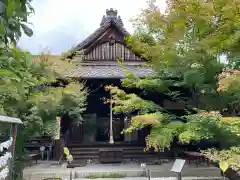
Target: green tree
183, 47
13, 20
26, 81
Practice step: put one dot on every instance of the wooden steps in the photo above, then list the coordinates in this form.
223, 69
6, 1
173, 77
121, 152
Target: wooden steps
129, 151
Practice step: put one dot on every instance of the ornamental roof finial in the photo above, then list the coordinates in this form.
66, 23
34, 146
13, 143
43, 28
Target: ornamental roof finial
111, 16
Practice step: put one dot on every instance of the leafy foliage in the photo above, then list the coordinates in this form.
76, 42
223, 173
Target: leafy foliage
183, 47
229, 86
13, 18
231, 156
25, 99
27, 83
57, 64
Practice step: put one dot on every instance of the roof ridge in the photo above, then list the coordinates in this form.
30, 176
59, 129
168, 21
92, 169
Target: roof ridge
112, 19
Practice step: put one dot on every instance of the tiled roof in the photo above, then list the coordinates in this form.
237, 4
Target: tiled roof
109, 71
105, 69
7, 119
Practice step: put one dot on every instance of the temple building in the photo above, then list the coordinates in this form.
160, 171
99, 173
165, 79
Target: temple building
99, 138
96, 64
96, 60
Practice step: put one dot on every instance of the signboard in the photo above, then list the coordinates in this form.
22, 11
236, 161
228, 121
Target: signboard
178, 165
58, 128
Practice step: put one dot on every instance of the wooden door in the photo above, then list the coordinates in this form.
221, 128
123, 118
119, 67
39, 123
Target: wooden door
117, 129
76, 133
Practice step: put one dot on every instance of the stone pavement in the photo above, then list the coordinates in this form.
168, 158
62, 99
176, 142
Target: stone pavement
46, 170
160, 178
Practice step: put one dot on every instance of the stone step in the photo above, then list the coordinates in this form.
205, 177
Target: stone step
153, 174
124, 153
125, 149
139, 155
159, 178
84, 152
156, 173
100, 147
137, 152
129, 170
83, 149
129, 152
116, 144
88, 155
135, 178
79, 156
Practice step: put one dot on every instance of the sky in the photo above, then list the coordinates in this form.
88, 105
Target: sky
58, 25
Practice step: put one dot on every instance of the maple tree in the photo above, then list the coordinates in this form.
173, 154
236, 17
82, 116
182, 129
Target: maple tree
184, 47
27, 82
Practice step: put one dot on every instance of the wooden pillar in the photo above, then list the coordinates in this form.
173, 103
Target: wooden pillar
57, 140
127, 136
12, 150
57, 149
111, 139
134, 135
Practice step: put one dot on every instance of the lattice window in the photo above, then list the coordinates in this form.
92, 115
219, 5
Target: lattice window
101, 51
107, 51
119, 51
127, 53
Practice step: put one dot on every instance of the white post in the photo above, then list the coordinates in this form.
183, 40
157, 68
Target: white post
111, 140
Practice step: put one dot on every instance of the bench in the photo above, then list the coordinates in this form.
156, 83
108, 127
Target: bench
110, 155
196, 157
32, 157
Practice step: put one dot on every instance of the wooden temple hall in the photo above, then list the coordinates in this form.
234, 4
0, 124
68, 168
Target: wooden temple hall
99, 68
92, 139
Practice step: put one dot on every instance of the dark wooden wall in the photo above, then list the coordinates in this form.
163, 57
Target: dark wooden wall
110, 45
108, 51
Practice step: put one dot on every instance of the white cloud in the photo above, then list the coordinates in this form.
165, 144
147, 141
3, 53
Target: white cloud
72, 20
